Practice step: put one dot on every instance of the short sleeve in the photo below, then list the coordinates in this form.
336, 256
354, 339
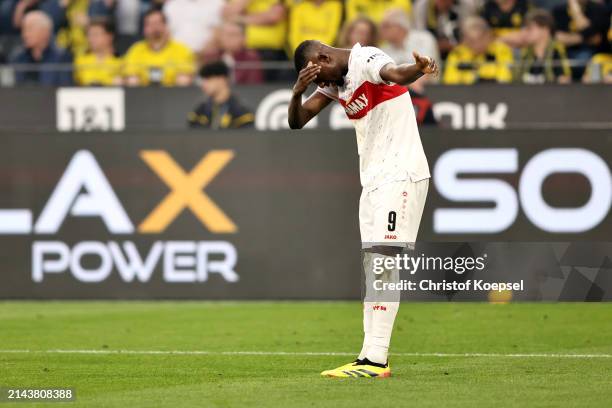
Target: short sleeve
373, 60
329, 91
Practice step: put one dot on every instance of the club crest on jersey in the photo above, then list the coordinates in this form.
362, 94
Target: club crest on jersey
357, 105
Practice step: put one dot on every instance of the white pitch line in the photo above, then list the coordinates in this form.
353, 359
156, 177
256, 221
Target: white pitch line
304, 353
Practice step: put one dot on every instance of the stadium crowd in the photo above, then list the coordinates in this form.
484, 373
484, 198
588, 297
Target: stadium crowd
164, 42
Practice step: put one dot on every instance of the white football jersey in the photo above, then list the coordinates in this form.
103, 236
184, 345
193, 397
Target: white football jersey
388, 139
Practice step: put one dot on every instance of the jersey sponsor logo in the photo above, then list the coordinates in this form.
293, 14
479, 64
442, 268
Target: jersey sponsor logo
368, 96
357, 105
380, 307
389, 236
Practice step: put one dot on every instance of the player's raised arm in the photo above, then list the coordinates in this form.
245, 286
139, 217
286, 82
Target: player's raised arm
300, 113
404, 74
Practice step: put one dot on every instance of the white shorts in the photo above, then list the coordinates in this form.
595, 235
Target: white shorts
391, 214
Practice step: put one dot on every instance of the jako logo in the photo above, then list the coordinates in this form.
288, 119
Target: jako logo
84, 191
459, 162
272, 112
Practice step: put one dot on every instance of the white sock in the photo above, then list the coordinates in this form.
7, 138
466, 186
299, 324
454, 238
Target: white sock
382, 327
384, 311
368, 311
368, 307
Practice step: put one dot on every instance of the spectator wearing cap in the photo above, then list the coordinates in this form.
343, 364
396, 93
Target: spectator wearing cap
543, 59
401, 40
222, 109
99, 65
582, 26
230, 47
361, 30
479, 57
158, 59
441, 18
266, 30
314, 20
375, 9
192, 22
37, 33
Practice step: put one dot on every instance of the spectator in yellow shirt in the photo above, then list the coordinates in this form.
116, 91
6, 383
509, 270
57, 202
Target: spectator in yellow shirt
314, 20
375, 9
158, 59
266, 30
479, 57
98, 66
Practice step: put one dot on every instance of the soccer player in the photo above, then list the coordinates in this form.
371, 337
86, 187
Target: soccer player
393, 167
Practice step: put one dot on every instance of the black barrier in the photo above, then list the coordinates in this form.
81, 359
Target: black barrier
486, 106
246, 215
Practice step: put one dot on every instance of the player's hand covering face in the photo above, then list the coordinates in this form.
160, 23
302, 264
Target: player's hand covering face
307, 75
426, 64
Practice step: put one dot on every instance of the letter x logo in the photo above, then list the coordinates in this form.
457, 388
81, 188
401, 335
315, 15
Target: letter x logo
187, 191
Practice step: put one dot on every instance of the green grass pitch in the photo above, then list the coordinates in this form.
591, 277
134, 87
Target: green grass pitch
518, 355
